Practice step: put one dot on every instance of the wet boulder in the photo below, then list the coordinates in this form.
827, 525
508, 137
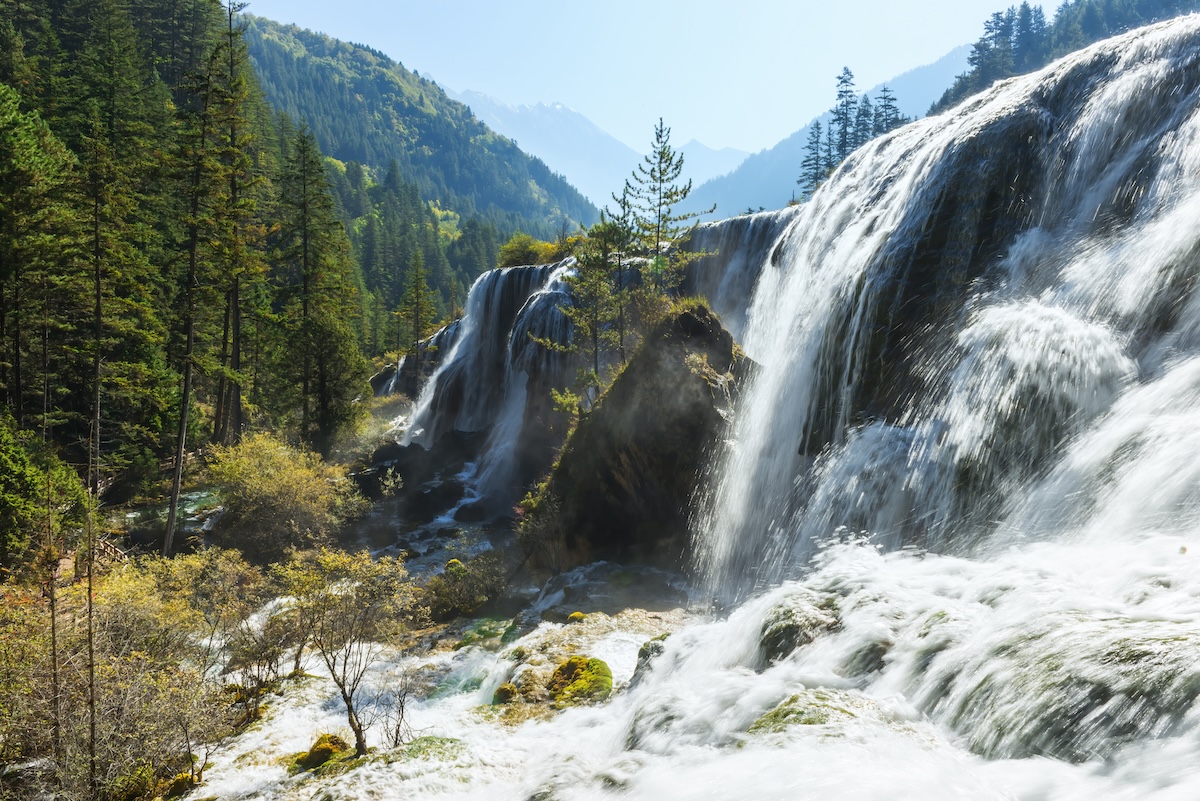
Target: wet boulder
622, 485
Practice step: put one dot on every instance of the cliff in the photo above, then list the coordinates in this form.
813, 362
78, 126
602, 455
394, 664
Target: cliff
622, 484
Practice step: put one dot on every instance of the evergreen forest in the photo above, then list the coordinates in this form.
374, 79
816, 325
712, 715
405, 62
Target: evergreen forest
1019, 39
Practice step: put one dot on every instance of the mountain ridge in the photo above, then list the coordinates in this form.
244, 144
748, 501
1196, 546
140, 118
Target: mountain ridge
364, 106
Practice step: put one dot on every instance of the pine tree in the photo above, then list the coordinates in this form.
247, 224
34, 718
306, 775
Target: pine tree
887, 113
204, 185
655, 191
812, 168
416, 312
321, 353
864, 122
593, 310
239, 254
844, 116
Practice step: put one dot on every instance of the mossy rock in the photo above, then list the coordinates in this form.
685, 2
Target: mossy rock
487, 633
504, 693
181, 785
794, 623
649, 651
809, 708
580, 680
138, 783
324, 749
426, 748
652, 648
576, 617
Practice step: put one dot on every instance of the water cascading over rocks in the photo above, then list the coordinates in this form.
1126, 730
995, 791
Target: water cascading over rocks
496, 378
981, 337
737, 251
960, 299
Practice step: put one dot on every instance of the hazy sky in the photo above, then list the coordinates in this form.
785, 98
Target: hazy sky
741, 74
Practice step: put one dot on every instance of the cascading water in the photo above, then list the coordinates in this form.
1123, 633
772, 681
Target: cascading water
963, 297
538, 321
738, 249
482, 382
980, 339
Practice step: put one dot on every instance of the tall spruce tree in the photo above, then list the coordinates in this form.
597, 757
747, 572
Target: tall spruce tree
812, 168
316, 301
845, 112
655, 191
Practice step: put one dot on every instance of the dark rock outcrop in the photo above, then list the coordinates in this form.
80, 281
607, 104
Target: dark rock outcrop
621, 488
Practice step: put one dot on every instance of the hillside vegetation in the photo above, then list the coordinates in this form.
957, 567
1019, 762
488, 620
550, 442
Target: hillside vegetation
364, 107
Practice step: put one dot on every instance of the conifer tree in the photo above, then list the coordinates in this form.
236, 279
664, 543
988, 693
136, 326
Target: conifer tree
416, 311
844, 116
593, 309
321, 352
655, 191
887, 113
812, 168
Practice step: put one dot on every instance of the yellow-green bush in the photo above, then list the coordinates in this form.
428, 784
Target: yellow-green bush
278, 497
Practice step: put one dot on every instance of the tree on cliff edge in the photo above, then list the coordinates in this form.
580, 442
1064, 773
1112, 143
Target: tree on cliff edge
655, 191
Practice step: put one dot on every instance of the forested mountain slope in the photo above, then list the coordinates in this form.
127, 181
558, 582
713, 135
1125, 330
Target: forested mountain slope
365, 107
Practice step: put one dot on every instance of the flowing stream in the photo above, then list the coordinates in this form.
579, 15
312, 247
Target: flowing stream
965, 469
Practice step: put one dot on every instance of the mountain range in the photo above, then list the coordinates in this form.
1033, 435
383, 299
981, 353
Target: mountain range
593, 160
768, 178
362, 106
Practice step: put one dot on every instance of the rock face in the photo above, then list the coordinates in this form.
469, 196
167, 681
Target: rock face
622, 486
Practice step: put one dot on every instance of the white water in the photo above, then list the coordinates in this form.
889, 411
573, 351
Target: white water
482, 383
1040, 338
1009, 544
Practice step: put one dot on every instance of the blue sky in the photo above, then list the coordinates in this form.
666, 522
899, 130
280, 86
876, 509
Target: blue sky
732, 74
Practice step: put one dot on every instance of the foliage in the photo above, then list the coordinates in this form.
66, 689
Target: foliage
1019, 40
351, 605
277, 497
40, 498
366, 108
463, 588
522, 249
653, 193
853, 121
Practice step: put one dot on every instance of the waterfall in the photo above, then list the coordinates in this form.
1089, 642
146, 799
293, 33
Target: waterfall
957, 511
962, 299
737, 248
495, 375
466, 390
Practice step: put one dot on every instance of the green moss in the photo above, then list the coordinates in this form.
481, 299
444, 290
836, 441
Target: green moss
504, 693
488, 633
809, 708
580, 680
324, 749
793, 624
182, 784
652, 648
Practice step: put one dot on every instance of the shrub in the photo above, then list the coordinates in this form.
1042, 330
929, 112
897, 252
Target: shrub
278, 498
27, 472
463, 589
